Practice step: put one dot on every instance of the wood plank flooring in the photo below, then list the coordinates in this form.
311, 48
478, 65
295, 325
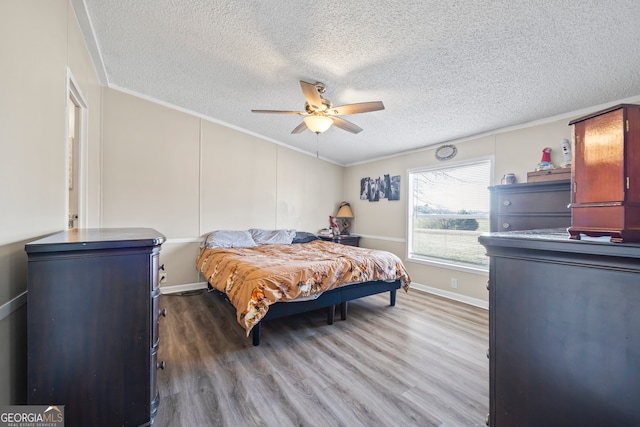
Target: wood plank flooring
420, 363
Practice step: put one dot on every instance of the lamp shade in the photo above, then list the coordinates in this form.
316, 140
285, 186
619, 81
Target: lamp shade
344, 211
318, 124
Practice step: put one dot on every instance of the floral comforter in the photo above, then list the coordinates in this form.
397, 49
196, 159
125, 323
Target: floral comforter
254, 278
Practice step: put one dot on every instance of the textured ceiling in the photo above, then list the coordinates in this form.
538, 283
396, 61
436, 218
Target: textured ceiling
444, 70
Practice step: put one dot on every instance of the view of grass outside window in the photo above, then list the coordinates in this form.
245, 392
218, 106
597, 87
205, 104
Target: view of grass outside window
448, 210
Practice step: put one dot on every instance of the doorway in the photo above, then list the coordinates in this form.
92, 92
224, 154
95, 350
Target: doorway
76, 155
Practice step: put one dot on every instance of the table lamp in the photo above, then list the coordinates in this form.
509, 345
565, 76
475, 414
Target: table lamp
345, 214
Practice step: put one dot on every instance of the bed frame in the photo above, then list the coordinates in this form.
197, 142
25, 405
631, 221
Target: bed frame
330, 299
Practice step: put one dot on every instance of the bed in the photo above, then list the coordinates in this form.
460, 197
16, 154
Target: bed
266, 274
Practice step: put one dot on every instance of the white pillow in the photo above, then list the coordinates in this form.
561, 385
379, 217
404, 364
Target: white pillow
229, 239
272, 237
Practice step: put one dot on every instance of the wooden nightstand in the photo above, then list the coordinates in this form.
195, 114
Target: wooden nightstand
349, 240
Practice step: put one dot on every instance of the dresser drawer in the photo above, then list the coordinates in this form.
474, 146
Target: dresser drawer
348, 240
154, 395
533, 203
531, 222
155, 316
155, 271
530, 206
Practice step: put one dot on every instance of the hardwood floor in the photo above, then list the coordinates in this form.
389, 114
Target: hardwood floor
420, 363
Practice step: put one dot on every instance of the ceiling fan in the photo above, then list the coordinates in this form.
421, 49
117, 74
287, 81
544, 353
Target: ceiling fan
319, 113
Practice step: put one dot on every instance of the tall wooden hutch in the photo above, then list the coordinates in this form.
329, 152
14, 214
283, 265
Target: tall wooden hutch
605, 198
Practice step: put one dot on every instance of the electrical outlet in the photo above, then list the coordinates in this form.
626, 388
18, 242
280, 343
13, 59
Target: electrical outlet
454, 283
163, 277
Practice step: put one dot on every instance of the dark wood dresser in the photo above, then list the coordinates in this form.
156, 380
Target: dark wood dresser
530, 206
349, 239
563, 330
92, 325
606, 174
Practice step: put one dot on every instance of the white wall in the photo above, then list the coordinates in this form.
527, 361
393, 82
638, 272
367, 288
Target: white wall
39, 40
186, 176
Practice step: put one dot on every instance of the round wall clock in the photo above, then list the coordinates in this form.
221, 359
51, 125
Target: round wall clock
446, 152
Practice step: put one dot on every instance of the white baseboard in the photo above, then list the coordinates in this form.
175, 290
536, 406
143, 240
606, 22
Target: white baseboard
451, 295
174, 289
12, 305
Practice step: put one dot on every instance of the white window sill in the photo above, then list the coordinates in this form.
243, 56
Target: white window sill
450, 266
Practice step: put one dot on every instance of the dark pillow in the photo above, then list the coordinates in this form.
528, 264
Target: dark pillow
304, 237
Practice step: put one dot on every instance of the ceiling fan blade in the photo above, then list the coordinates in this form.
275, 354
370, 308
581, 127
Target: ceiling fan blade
302, 113
362, 107
346, 125
300, 128
312, 96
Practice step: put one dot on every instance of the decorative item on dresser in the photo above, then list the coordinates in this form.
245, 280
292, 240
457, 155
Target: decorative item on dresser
566, 153
92, 325
545, 161
333, 225
605, 199
563, 330
530, 206
509, 178
350, 240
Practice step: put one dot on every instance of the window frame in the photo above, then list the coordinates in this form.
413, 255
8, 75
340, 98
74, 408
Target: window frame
468, 268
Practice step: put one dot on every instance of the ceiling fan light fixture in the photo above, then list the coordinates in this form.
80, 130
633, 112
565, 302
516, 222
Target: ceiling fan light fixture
318, 124
319, 113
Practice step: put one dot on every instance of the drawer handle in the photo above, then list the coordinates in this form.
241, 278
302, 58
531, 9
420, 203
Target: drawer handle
506, 202
487, 421
488, 354
160, 365
488, 284
163, 312
506, 225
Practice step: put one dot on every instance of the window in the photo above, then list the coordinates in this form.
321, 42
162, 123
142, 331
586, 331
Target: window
448, 210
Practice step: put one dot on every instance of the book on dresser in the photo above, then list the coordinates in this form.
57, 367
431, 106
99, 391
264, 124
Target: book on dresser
92, 325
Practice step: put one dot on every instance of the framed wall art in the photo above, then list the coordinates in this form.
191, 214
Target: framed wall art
383, 187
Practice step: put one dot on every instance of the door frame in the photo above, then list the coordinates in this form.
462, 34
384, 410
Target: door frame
74, 94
